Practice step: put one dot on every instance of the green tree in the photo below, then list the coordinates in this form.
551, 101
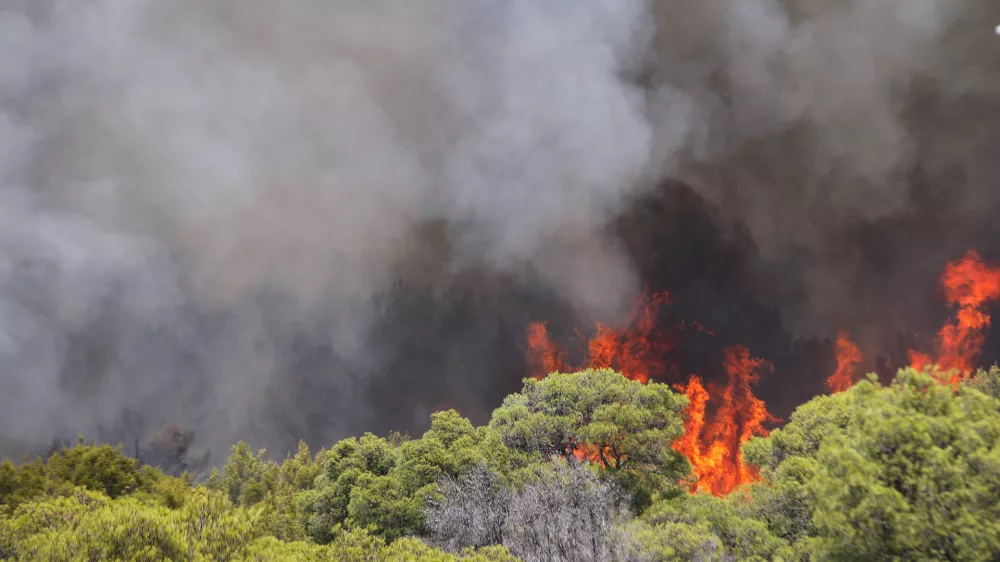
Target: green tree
101, 468
672, 542
907, 472
451, 448
19, 484
326, 504
247, 477
370, 482
298, 472
383, 504
628, 426
986, 381
718, 528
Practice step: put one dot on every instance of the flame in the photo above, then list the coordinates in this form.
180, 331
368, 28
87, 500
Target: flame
848, 356
637, 352
969, 284
712, 448
544, 356
740, 417
586, 452
690, 443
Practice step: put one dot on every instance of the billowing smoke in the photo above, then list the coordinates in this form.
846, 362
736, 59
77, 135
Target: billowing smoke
193, 189
856, 141
269, 220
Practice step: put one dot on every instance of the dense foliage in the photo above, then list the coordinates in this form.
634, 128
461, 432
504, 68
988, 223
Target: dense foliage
575, 467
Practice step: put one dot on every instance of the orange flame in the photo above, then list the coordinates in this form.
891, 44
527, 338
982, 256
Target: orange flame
544, 356
969, 284
690, 444
593, 453
713, 449
740, 417
635, 352
848, 356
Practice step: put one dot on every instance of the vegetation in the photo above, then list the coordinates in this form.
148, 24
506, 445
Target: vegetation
574, 467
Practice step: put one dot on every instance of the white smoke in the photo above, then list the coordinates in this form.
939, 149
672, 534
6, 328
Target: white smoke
188, 186
165, 166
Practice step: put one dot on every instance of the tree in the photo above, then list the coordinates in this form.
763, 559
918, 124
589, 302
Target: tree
342, 467
246, 477
625, 426
708, 527
384, 505
374, 483
452, 447
565, 512
470, 512
986, 381
19, 484
907, 472
170, 451
672, 542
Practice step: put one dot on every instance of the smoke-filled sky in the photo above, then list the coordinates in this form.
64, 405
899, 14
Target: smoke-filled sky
273, 220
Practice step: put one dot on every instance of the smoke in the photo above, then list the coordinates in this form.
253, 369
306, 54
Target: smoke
193, 189
854, 140
271, 222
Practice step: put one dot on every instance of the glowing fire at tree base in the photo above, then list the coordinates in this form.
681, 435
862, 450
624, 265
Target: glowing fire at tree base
713, 447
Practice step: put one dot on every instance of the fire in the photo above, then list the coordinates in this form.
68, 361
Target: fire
969, 284
740, 417
704, 462
848, 356
717, 424
544, 356
712, 448
592, 453
636, 352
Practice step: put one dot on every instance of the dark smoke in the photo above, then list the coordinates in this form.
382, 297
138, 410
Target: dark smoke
322, 218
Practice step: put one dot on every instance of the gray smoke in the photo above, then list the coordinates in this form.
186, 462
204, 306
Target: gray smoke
189, 189
817, 119
187, 185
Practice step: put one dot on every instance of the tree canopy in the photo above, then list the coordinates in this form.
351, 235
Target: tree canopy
626, 426
908, 471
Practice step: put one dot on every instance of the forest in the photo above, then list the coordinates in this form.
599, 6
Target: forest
580, 466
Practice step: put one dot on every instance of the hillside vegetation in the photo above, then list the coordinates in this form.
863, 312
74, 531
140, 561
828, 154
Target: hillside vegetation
575, 467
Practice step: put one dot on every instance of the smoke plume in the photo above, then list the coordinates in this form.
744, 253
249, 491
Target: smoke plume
307, 219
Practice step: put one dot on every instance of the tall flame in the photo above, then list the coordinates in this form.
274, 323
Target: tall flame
706, 463
544, 356
714, 450
848, 356
969, 284
714, 447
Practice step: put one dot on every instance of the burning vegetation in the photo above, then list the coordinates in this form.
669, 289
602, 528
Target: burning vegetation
719, 419
970, 285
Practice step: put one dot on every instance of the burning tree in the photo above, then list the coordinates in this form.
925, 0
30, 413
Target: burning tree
714, 449
639, 353
848, 356
625, 426
969, 284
